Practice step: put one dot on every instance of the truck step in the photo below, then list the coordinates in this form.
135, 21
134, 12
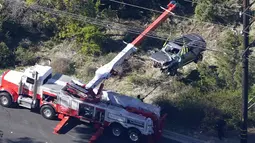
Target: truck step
25, 101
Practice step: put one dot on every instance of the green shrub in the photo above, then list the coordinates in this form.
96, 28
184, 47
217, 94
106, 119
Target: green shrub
216, 11
89, 37
6, 56
193, 109
204, 12
24, 56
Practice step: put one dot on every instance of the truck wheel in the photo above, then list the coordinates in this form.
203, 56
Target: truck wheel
5, 99
48, 112
117, 130
134, 135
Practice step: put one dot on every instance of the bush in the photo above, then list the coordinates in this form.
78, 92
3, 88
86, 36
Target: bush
6, 56
24, 56
89, 37
203, 12
193, 109
63, 66
206, 10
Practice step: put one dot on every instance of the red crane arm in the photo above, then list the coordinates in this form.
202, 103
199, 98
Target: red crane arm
154, 25
105, 71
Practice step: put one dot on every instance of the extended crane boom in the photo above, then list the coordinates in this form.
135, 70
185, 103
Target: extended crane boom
105, 71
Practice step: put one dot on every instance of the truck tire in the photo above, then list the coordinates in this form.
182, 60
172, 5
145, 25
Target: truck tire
116, 129
5, 99
134, 135
48, 112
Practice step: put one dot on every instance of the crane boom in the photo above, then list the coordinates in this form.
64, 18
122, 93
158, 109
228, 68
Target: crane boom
105, 71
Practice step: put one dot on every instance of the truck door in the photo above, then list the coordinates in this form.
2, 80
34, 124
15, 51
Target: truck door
28, 85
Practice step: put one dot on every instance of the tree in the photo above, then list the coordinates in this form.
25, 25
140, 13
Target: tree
216, 10
88, 37
230, 62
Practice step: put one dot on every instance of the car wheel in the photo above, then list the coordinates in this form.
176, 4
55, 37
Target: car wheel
5, 99
134, 135
48, 112
116, 130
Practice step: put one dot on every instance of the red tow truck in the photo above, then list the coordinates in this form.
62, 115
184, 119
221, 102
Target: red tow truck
63, 96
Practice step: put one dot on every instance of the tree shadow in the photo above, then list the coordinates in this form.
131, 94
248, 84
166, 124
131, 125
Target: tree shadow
111, 45
14, 34
21, 140
189, 113
193, 76
149, 43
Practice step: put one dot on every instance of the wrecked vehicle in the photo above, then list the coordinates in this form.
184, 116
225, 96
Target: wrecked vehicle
178, 53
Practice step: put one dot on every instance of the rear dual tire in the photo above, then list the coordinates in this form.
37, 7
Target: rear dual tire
133, 134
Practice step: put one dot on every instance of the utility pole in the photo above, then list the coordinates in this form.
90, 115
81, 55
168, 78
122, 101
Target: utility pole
246, 29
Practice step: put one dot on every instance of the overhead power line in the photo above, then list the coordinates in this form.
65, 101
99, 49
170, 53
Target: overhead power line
152, 10
98, 22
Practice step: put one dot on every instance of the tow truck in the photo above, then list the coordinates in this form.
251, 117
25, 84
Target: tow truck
63, 96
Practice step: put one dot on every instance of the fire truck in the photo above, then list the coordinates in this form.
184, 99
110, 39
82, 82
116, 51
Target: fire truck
63, 96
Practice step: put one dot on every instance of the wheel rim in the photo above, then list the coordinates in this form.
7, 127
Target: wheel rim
4, 100
133, 136
116, 132
47, 113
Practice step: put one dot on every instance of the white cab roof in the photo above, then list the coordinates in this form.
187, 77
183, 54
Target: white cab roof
43, 71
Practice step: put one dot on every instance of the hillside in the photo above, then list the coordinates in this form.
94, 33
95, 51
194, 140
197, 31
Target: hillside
80, 36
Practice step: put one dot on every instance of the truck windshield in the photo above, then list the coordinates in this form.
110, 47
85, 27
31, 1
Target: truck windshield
47, 78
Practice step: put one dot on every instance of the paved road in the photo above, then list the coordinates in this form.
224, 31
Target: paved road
23, 126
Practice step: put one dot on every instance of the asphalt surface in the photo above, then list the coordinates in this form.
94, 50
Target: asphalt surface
20, 125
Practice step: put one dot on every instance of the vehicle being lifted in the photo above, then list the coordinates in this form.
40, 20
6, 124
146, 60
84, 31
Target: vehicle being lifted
178, 53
